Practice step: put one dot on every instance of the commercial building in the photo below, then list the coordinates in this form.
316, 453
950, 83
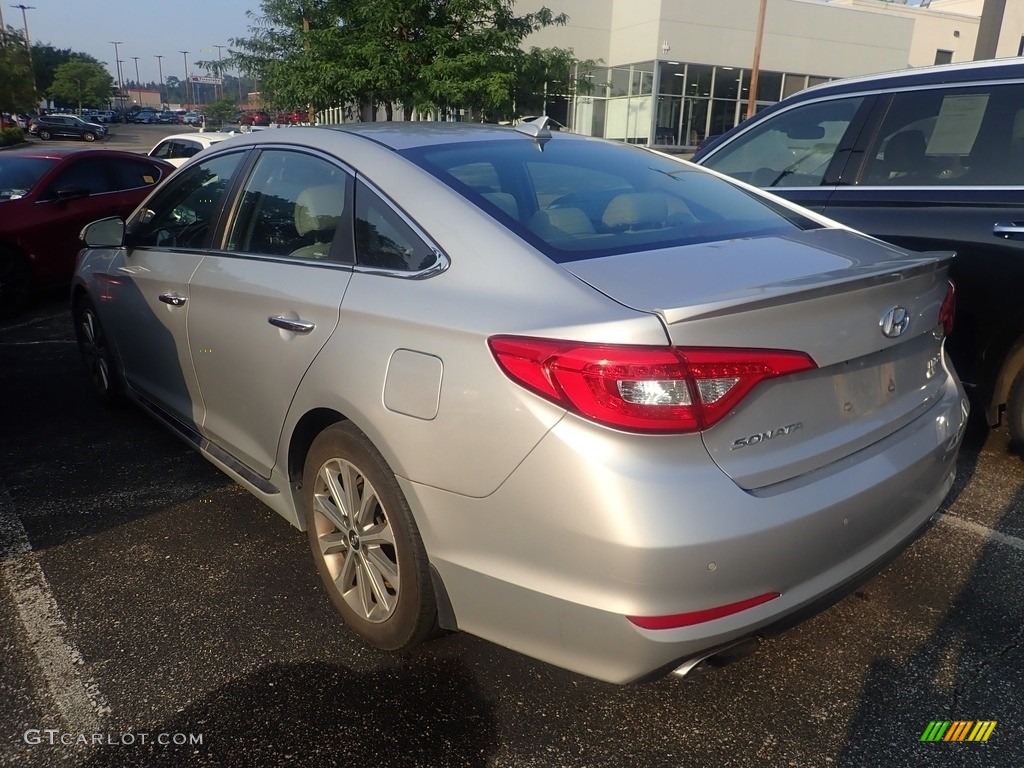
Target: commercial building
672, 72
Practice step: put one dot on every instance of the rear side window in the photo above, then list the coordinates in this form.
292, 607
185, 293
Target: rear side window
580, 199
132, 174
963, 137
790, 149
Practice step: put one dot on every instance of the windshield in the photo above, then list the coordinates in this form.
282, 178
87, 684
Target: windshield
19, 174
586, 199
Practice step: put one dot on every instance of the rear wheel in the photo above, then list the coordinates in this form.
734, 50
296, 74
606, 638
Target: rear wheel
96, 352
44, 135
365, 542
15, 283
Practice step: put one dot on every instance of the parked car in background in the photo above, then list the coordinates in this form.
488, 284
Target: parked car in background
178, 148
167, 118
930, 158
659, 416
295, 117
258, 117
145, 116
48, 127
108, 116
46, 196
192, 118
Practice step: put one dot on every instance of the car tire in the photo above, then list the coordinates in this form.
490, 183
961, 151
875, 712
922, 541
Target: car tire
44, 135
89, 136
365, 542
97, 353
1015, 413
15, 283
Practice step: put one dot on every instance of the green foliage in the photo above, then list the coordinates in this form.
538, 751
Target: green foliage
425, 54
11, 136
221, 110
81, 82
16, 93
46, 59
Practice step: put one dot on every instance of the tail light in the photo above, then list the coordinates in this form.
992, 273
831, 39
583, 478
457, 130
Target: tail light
639, 388
948, 309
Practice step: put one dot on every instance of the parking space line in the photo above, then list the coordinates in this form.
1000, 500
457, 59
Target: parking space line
33, 321
982, 530
78, 699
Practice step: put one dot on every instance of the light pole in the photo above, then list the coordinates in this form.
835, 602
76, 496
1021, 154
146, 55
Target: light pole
28, 43
756, 67
185, 56
220, 68
117, 69
138, 85
160, 64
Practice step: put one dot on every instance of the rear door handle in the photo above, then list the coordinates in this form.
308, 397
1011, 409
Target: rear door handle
1010, 231
295, 326
174, 299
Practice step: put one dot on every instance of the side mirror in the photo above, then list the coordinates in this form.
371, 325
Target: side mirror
105, 233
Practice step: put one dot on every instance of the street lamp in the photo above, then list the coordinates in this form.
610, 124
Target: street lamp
117, 69
185, 56
138, 85
28, 44
220, 68
160, 64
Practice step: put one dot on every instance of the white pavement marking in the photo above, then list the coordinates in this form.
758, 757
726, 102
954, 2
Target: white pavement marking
78, 700
33, 343
33, 321
983, 531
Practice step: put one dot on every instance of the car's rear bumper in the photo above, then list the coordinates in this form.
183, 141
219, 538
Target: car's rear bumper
595, 526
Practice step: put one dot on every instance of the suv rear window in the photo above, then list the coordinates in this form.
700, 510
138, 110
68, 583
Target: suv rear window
580, 199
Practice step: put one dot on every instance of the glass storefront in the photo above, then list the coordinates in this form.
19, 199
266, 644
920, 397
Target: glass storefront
692, 101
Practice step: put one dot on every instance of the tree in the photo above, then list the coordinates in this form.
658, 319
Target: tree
82, 82
46, 59
16, 91
222, 110
426, 54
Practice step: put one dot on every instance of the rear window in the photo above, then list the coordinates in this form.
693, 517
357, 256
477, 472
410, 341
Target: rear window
587, 199
19, 174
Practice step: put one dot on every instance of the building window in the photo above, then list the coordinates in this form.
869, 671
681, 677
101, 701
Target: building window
944, 57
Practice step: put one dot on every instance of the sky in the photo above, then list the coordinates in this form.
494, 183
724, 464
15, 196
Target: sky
145, 27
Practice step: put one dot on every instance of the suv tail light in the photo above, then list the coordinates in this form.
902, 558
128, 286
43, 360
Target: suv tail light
639, 388
948, 309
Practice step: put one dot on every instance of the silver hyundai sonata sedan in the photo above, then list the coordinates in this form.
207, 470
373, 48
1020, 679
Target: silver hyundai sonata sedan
586, 401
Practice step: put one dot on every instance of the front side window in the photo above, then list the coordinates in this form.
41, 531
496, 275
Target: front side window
789, 149
183, 213
291, 205
962, 137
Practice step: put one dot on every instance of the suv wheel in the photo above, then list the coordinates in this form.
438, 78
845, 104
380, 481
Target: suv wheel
44, 134
89, 136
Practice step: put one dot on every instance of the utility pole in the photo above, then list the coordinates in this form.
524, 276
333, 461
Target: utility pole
117, 70
138, 85
755, 68
185, 56
160, 64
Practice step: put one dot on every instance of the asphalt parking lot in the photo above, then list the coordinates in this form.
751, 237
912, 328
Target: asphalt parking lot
153, 613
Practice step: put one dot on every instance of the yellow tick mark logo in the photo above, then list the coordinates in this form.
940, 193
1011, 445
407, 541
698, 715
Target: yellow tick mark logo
958, 730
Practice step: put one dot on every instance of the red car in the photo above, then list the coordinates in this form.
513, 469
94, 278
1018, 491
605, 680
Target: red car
255, 118
294, 117
47, 196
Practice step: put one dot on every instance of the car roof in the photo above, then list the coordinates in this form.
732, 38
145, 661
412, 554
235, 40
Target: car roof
941, 74
212, 136
400, 135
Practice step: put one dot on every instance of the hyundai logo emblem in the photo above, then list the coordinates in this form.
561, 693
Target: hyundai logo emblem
894, 322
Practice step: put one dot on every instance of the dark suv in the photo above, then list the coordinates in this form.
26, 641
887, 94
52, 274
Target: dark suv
928, 159
48, 127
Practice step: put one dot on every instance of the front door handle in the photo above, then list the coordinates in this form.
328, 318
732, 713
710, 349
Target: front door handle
1010, 231
295, 326
174, 299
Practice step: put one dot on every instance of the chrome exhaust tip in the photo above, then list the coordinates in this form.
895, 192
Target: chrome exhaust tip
716, 658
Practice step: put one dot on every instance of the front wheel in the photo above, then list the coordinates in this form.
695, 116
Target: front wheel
365, 542
45, 135
96, 352
89, 136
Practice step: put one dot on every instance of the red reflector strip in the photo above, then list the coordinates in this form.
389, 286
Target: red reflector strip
699, 617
